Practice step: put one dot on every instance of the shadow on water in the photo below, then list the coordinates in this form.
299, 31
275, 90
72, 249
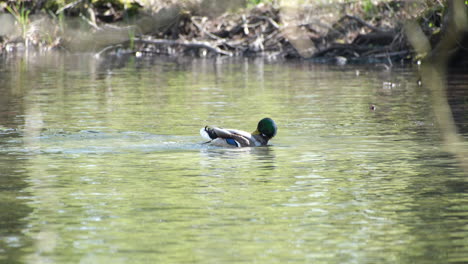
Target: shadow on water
14, 208
14, 199
457, 94
262, 159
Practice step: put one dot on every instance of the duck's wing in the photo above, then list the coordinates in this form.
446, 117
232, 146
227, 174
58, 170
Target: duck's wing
233, 137
211, 132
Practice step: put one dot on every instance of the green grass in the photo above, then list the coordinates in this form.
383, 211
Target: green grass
21, 15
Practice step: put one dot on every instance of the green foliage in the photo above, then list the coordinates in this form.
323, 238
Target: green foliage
53, 5
251, 3
132, 8
60, 18
21, 15
368, 7
131, 36
254, 2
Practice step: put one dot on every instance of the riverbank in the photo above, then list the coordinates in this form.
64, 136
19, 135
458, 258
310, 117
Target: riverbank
349, 32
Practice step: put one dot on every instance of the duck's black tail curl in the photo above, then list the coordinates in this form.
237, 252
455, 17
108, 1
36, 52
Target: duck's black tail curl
211, 133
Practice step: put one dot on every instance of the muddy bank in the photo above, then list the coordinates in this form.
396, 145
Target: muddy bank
336, 33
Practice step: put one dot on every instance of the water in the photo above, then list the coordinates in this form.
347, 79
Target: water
101, 162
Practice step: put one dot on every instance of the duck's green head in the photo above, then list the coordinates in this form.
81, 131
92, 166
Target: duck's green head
267, 127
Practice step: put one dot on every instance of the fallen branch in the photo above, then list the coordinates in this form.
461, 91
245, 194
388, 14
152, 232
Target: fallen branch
362, 22
70, 5
90, 22
336, 47
318, 23
270, 20
188, 44
203, 30
390, 54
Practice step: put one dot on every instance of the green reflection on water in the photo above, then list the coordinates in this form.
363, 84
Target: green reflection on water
105, 165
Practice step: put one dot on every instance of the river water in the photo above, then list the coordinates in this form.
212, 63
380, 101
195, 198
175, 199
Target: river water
101, 162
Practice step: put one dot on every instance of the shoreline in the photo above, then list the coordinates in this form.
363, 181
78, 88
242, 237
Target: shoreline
325, 34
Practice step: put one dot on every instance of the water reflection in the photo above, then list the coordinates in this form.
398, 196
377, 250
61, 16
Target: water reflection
104, 164
14, 208
13, 175
221, 161
457, 93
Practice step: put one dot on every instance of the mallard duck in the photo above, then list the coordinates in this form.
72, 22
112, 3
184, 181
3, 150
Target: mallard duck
266, 130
